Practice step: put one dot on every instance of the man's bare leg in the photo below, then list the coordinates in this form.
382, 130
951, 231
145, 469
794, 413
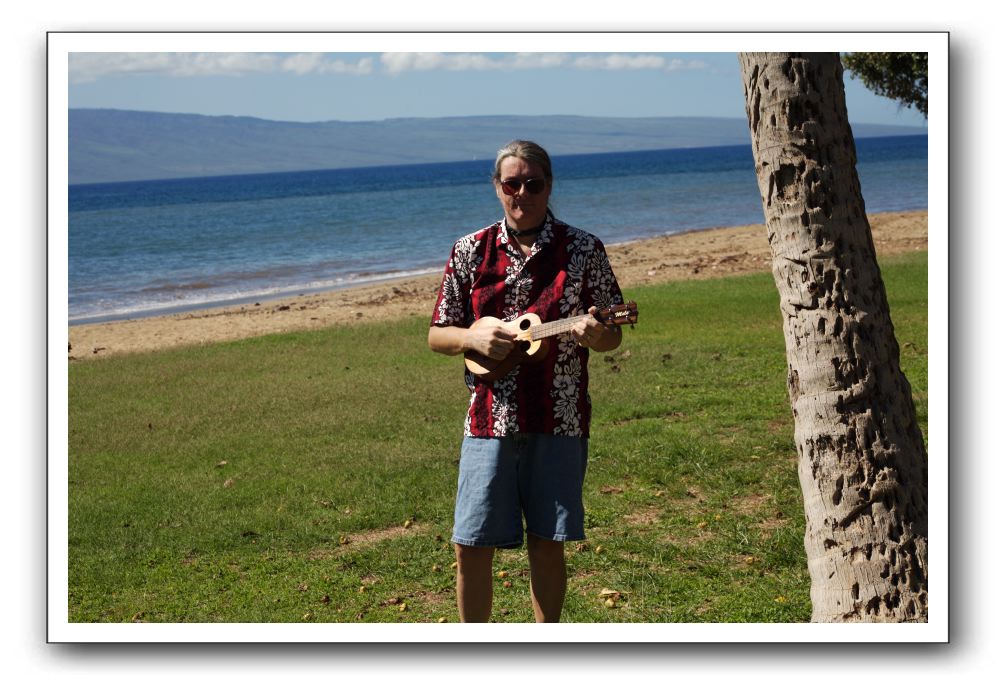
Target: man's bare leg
547, 578
473, 582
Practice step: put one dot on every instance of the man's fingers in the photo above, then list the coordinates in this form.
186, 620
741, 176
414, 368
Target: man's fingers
500, 342
500, 349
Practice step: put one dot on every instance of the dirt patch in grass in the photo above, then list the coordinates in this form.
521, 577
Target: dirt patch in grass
372, 537
749, 504
433, 599
643, 517
361, 540
769, 525
630, 556
584, 583
695, 492
758, 506
745, 561
691, 539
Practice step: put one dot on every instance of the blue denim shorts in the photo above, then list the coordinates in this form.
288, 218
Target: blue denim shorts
537, 476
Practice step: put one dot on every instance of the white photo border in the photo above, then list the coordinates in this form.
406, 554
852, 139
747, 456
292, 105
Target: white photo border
61, 44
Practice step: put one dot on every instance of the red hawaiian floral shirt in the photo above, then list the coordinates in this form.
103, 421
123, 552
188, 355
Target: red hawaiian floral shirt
566, 272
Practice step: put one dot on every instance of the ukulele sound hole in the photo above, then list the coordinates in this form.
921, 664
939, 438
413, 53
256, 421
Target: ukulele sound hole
524, 324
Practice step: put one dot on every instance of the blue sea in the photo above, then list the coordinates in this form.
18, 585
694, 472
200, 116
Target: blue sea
156, 247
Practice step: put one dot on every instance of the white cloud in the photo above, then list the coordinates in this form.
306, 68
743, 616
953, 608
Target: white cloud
89, 66
396, 63
620, 62
679, 64
301, 64
634, 62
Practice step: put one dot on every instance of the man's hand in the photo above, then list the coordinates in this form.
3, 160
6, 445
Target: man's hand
493, 341
595, 335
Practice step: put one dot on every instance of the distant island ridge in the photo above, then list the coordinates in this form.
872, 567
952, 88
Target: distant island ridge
108, 145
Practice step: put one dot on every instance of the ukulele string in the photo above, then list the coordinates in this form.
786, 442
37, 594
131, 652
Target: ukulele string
554, 327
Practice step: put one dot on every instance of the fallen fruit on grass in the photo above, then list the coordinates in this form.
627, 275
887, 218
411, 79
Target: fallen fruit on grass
780, 599
599, 549
453, 565
507, 584
701, 525
407, 524
402, 607
363, 589
435, 568
443, 619
343, 539
502, 574
611, 597
307, 616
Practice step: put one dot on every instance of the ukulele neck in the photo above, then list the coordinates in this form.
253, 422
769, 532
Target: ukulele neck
555, 327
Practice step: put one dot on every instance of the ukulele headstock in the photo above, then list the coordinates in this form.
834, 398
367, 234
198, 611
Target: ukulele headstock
618, 315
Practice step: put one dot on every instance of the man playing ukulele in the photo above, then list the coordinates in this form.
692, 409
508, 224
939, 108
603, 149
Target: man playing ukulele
525, 446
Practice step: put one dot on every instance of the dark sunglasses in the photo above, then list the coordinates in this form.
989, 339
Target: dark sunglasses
534, 186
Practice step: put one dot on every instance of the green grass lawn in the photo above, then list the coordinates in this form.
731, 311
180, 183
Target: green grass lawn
311, 476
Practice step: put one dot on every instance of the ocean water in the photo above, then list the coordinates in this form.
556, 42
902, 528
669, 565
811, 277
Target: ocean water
155, 247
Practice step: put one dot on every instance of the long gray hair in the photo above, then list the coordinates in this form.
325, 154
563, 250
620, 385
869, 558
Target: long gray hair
526, 151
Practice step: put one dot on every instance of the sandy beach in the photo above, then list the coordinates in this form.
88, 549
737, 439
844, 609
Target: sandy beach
691, 255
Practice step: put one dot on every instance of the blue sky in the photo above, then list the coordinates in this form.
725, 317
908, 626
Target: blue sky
313, 86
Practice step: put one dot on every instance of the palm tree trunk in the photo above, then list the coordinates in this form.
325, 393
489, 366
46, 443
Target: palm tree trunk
862, 462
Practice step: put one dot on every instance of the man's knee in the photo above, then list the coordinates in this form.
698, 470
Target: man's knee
473, 554
545, 549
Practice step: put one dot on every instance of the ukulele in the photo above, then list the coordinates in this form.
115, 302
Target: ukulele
530, 342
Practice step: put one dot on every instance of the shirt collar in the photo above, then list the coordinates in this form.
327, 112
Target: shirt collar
541, 238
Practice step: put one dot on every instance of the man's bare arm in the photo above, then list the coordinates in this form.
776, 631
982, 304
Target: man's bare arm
493, 341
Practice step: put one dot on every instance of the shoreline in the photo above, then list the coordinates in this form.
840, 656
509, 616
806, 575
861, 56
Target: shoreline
699, 254
251, 298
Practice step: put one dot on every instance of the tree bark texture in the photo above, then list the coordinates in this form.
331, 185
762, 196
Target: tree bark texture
862, 462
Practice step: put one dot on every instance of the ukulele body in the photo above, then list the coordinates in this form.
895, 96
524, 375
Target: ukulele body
532, 338
526, 349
